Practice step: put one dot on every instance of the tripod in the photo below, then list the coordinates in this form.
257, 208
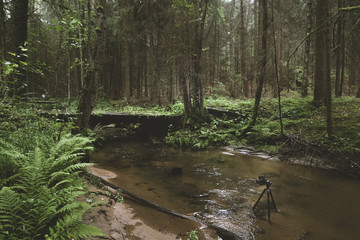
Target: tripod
269, 194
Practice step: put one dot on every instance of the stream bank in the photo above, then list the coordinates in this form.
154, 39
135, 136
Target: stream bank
131, 221
219, 187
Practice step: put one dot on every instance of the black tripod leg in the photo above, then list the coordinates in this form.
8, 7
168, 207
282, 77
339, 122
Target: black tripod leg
259, 199
272, 198
268, 203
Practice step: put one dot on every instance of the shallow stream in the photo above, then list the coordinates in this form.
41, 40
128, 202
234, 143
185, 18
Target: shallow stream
220, 187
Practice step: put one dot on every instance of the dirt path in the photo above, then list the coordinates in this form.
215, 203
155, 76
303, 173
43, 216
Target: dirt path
131, 221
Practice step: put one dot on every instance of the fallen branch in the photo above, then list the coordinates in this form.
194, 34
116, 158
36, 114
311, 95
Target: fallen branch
223, 233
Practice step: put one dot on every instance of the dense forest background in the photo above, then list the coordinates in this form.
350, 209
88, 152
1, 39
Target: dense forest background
152, 50
163, 51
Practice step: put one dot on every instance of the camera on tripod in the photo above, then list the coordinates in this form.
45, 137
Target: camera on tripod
262, 181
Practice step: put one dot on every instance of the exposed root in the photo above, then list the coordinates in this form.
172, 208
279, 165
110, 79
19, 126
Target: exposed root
341, 160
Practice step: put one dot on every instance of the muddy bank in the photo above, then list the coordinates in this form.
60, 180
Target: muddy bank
130, 220
290, 156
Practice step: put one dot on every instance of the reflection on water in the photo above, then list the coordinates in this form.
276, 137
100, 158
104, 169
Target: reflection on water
220, 188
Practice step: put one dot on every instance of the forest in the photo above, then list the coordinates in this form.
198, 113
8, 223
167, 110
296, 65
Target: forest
281, 76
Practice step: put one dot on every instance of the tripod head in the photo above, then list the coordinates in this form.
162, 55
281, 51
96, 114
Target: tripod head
262, 181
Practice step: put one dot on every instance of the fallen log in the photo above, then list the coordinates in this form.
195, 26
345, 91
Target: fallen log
221, 232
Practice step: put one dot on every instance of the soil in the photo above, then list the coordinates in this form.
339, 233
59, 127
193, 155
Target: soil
131, 221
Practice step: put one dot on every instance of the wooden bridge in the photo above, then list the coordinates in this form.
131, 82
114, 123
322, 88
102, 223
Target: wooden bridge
150, 124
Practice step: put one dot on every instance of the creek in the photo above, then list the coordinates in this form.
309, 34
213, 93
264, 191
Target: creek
219, 187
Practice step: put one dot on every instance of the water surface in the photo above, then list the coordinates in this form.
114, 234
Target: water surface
220, 188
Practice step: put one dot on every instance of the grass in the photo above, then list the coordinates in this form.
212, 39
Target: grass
56, 106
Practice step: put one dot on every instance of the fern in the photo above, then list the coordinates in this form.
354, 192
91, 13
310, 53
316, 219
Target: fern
39, 185
77, 167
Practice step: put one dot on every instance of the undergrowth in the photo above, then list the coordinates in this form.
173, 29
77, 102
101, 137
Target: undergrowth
300, 118
40, 178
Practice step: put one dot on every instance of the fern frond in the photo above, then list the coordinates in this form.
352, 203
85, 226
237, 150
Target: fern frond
11, 211
65, 159
74, 206
43, 179
73, 143
6, 181
62, 182
70, 228
78, 166
11, 159
57, 176
87, 231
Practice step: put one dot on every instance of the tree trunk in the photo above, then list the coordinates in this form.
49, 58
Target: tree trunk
126, 90
358, 89
322, 91
197, 110
20, 37
233, 78
262, 63
328, 98
342, 73
320, 52
95, 64
339, 52
256, 37
277, 70
305, 82
243, 34
3, 85
352, 77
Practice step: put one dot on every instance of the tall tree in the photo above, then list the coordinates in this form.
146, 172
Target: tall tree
2, 43
322, 90
277, 68
2, 30
305, 81
262, 63
243, 34
328, 93
340, 52
320, 52
196, 22
96, 49
20, 21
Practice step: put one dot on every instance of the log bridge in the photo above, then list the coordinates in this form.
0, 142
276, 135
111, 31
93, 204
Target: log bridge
150, 124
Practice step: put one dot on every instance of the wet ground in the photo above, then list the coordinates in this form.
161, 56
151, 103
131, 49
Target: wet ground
219, 187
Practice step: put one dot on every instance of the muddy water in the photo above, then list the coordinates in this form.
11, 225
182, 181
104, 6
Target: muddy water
220, 188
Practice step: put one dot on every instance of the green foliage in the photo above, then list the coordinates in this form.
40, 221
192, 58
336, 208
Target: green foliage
193, 235
13, 68
40, 182
71, 24
300, 118
214, 133
183, 4
125, 106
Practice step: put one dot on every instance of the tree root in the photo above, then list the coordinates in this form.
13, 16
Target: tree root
344, 160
